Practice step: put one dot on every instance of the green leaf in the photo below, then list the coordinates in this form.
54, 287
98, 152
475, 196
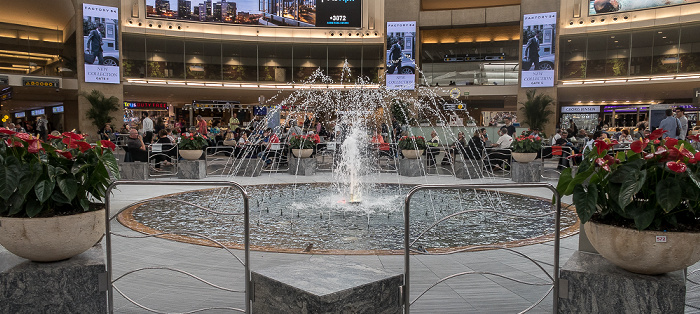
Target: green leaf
643, 217
33, 206
585, 201
43, 189
694, 178
60, 198
668, 194
578, 180
32, 173
690, 192
564, 180
629, 188
9, 174
15, 203
68, 185
84, 204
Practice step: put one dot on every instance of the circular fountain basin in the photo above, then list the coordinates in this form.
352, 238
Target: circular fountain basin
313, 218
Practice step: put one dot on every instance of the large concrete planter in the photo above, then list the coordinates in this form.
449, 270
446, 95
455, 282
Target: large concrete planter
191, 154
54, 238
524, 157
639, 252
412, 153
303, 153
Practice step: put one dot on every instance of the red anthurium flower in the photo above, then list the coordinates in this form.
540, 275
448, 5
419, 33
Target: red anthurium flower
657, 142
657, 134
83, 146
671, 142
693, 137
697, 156
686, 153
638, 146
51, 137
14, 143
692, 160
676, 166
204, 136
599, 161
72, 135
660, 150
69, 142
65, 154
34, 146
673, 153
611, 160
649, 156
24, 136
6, 131
602, 146
108, 144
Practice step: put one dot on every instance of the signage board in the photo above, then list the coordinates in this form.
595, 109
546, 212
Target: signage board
454, 93
608, 6
4, 80
101, 43
19, 114
696, 96
6, 93
400, 55
144, 105
57, 109
339, 13
41, 82
453, 107
38, 112
580, 109
538, 61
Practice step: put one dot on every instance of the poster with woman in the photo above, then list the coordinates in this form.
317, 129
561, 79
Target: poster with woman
539, 33
101, 44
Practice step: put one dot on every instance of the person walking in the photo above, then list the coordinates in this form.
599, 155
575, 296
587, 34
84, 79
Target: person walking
680, 115
533, 51
94, 45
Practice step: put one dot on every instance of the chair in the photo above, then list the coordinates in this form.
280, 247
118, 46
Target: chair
327, 155
163, 154
136, 155
278, 153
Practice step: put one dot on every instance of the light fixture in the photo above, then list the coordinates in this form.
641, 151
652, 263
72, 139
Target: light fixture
332, 34
131, 22
571, 22
150, 24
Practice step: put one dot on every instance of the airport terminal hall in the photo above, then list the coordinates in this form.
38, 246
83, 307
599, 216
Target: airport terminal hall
350, 156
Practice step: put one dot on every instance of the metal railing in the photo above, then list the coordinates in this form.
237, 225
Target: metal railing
108, 239
408, 243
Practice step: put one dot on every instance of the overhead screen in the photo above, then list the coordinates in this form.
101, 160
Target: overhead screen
101, 44
299, 13
400, 55
612, 6
539, 32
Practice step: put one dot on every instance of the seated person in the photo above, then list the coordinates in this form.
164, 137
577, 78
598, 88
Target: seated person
501, 153
269, 138
230, 138
625, 137
566, 152
243, 145
135, 147
167, 152
382, 147
504, 140
432, 149
475, 147
458, 147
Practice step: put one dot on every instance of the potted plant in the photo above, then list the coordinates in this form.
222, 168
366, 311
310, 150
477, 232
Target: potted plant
640, 207
302, 146
525, 148
53, 194
537, 110
191, 145
412, 146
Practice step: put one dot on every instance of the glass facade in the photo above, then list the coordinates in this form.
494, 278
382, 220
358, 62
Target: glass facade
658, 51
29, 50
159, 57
478, 63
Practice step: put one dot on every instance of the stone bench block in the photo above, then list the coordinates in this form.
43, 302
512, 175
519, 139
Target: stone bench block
594, 285
469, 168
411, 167
526, 172
302, 166
69, 286
192, 169
326, 286
248, 167
133, 170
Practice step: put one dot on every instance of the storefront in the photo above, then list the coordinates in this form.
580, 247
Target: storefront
135, 110
585, 117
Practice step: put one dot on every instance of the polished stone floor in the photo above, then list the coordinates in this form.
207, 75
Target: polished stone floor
167, 291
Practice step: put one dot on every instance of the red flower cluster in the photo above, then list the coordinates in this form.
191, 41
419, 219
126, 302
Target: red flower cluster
34, 144
668, 151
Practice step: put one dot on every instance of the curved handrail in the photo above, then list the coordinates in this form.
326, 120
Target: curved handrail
189, 312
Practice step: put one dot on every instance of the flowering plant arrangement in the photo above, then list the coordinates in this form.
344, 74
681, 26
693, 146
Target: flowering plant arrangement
65, 176
526, 144
654, 185
192, 141
412, 143
301, 142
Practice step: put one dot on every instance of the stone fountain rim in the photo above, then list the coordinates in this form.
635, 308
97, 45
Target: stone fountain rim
126, 218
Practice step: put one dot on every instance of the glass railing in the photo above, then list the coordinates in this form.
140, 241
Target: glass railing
471, 73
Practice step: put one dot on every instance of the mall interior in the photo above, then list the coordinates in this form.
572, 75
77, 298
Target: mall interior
612, 65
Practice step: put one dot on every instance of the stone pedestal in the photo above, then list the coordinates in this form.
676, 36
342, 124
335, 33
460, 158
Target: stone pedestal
192, 169
302, 166
411, 167
133, 170
526, 172
70, 286
593, 285
325, 286
469, 169
248, 167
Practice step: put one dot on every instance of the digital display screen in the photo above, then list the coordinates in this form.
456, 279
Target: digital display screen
539, 33
400, 55
101, 43
259, 110
19, 114
298, 13
37, 112
614, 6
58, 109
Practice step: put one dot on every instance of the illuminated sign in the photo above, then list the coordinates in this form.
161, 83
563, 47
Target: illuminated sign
100, 43
400, 61
339, 13
580, 109
453, 107
608, 6
19, 114
539, 33
145, 105
41, 82
37, 112
6, 93
57, 109
4, 80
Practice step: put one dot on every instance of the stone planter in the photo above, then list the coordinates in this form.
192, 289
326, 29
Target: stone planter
54, 238
524, 157
412, 153
191, 154
641, 251
302, 153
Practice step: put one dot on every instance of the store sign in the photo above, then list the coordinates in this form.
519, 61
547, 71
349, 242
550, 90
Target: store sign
57, 109
539, 33
4, 80
37, 112
696, 96
580, 109
41, 82
6, 93
101, 43
19, 115
339, 13
453, 107
142, 105
400, 63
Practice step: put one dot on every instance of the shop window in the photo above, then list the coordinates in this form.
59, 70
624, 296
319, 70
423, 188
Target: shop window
617, 54
239, 61
165, 56
372, 61
642, 51
597, 56
689, 53
475, 63
307, 59
665, 59
203, 60
572, 64
134, 55
275, 61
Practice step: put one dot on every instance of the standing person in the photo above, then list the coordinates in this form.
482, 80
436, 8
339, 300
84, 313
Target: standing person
395, 54
201, 125
680, 115
532, 51
42, 127
670, 124
433, 148
573, 127
147, 128
233, 122
509, 126
94, 44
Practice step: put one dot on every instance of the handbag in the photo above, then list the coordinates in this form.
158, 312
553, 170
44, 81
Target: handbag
89, 58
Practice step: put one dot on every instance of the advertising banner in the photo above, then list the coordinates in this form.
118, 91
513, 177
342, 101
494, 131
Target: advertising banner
612, 6
400, 53
539, 33
101, 43
300, 13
